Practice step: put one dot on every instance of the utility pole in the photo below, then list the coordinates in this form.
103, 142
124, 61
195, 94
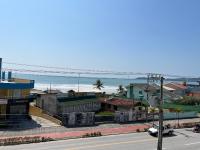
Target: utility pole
160, 134
159, 77
147, 91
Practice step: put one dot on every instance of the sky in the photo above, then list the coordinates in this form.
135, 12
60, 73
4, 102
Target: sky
160, 36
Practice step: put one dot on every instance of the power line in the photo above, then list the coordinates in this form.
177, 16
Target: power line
68, 70
59, 68
71, 72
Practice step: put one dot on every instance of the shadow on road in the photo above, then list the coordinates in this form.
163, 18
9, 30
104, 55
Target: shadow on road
20, 126
184, 134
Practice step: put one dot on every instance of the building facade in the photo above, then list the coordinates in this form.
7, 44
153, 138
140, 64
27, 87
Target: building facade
125, 109
143, 92
14, 98
62, 103
176, 88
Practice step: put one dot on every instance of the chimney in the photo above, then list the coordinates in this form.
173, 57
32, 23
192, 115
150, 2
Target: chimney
0, 68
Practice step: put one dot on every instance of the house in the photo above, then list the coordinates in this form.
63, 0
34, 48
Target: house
73, 109
144, 91
194, 94
194, 91
176, 88
119, 104
14, 99
116, 104
58, 104
135, 110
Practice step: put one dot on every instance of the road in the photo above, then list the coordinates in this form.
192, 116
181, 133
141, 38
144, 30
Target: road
183, 139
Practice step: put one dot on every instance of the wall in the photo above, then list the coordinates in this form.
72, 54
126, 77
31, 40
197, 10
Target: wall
179, 92
3, 93
66, 107
25, 92
47, 102
128, 116
169, 115
17, 93
79, 119
2, 111
135, 93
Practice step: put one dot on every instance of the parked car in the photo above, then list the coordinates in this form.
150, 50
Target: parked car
196, 128
167, 130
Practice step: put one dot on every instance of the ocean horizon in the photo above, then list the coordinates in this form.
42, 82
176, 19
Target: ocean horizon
82, 84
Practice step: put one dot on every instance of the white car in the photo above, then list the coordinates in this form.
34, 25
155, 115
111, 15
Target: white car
155, 129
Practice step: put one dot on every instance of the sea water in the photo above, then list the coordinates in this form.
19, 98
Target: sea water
84, 84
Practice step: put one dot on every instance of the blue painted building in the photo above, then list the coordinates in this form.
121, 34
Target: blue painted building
140, 91
14, 98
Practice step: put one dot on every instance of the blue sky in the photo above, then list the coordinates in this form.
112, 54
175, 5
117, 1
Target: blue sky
124, 35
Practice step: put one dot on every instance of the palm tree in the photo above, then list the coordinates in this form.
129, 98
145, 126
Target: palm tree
71, 93
178, 110
98, 84
120, 89
153, 110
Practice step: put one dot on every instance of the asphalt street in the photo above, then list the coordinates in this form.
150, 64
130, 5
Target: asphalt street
183, 139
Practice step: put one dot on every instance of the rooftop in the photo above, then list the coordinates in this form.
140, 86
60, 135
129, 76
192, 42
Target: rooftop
176, 86
121, 102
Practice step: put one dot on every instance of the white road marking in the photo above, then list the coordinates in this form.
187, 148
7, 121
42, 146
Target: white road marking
111, 144
192, 143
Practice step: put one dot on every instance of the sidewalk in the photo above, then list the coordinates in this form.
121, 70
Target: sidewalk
105, 129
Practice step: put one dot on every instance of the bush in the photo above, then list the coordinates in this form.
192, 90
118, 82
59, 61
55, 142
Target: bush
145, 130
94, 134
138, 130
23, 140
189, 100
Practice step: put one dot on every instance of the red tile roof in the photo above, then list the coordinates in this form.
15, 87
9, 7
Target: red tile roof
176, 86
120, 102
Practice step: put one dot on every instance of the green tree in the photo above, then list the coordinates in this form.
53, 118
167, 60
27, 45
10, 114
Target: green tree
98, 84
121, 90
153, 110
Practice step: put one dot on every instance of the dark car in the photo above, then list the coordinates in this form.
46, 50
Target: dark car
196, 128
